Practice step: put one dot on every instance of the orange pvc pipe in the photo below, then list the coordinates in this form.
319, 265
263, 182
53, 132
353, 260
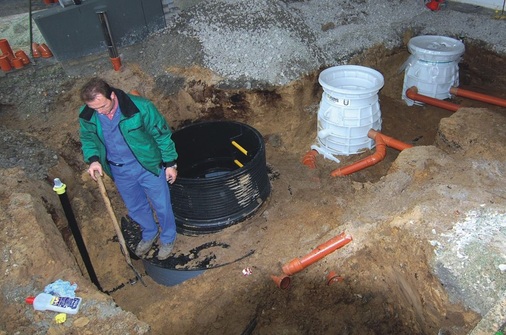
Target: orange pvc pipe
6, 48
17, 63
309, 159
283, 282
299, 264
22, 55
389, 141
378, 156
5, 64
478, 96
116, 63
35, 50
412, 93
382, 141
45, 51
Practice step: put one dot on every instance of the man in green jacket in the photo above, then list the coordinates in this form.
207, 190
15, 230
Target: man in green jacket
127, 138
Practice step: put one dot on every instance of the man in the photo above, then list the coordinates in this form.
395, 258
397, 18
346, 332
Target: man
126, 137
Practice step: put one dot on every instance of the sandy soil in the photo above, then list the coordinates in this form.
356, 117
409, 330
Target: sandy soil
401, 213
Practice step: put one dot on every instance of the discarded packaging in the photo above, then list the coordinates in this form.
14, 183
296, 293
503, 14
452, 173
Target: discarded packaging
48, 302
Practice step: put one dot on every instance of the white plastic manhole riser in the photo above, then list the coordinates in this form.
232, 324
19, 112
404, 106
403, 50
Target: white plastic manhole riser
349, 108
433, 66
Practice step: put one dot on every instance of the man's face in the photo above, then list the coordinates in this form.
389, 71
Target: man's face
102, 105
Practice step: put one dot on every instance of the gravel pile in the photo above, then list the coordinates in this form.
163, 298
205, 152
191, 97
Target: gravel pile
275, 42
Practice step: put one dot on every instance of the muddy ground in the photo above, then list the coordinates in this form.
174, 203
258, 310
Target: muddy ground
427, 224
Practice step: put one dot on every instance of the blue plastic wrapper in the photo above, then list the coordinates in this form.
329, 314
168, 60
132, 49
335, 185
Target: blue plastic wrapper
61, 288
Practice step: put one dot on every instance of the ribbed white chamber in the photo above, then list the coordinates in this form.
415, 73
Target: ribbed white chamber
433, 66
349, 108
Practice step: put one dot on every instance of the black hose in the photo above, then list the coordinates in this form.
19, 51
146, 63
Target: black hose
59, 188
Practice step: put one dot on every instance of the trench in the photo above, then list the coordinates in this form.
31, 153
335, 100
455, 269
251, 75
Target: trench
405, 300
376, 294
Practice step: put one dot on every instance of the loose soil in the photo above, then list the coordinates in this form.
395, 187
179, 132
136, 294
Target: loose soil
389, 283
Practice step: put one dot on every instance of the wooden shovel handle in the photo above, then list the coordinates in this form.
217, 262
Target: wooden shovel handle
114, 220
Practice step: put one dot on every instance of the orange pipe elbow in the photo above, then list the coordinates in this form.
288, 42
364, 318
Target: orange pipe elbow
389, 141
382, 141
299, 264
309, 159
412, 93
478, 96
378, 156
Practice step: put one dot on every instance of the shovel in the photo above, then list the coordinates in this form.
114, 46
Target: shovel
121, 239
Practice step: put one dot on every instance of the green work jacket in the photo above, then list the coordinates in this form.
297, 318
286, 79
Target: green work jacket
144, 129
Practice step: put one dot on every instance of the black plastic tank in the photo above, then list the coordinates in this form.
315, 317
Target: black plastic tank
222, 176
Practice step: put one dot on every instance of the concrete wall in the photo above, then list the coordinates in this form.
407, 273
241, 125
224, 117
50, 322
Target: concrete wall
493, 4
75, 31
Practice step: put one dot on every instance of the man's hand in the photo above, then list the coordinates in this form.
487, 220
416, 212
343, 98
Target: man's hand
171, 174
95, 166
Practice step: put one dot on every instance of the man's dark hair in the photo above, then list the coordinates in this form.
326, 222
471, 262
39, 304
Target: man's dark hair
93, 87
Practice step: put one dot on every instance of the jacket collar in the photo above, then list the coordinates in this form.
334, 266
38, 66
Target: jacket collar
126, 105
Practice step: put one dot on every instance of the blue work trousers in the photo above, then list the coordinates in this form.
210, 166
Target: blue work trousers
144, 193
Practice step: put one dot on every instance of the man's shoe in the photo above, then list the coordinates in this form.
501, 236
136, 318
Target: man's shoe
144, 246
165, 250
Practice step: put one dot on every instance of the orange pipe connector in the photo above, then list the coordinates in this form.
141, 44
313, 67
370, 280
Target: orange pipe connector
116, 63
17, 63
382, 141
35, 50
333, 277
309, 159
6, 49
389, 141
5, 64
283, 282
44, 51
299, 264
378, 156
478, 96
22, 55
412, 93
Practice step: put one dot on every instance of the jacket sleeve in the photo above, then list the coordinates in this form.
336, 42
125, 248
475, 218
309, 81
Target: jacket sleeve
89, 138
158, 127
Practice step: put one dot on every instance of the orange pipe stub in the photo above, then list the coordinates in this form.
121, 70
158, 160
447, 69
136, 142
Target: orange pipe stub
412, 93
299, 264
478, 96
5, 64
45, 51
22, 55
389, 141
309, 159
377, 156
6, 48
35, 50
283, 282
116, 63
17, 63
333, 277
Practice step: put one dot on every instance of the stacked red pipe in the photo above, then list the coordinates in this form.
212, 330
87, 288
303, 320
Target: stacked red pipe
10, 60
